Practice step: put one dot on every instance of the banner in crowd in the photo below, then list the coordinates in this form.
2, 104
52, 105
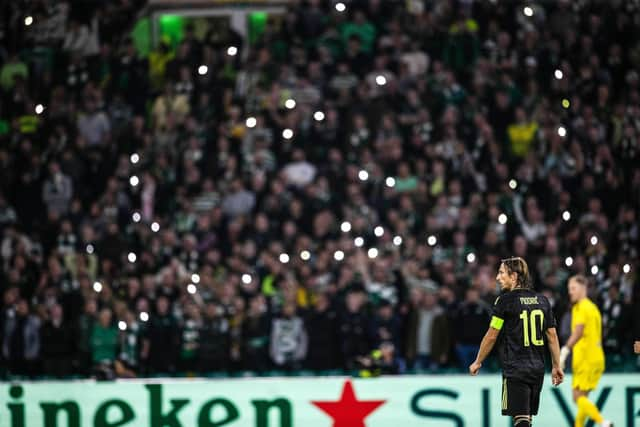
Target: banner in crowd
405, 401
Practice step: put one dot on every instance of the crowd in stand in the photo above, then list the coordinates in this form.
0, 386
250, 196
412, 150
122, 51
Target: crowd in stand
337, 194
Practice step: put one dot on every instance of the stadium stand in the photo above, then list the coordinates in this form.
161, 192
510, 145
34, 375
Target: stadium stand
336, 194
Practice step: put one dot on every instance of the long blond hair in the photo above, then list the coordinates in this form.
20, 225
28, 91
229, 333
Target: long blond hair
519, 266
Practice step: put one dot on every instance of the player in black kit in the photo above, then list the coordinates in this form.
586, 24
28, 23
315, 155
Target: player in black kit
523, 326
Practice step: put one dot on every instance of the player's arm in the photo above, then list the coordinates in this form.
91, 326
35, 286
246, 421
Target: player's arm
576, 334
554, 348
490, 338
488, 341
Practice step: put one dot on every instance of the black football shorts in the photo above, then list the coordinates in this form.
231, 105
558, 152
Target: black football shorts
520, 397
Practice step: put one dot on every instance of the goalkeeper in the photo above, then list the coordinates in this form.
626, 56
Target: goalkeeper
588, 358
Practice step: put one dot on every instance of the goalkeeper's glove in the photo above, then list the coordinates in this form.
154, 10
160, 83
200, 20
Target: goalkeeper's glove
564, 353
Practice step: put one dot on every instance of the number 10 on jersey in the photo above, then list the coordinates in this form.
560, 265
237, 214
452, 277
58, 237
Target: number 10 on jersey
529, 321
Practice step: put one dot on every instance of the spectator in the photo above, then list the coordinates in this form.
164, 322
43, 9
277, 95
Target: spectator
169, 106
471, 321
7, 213
385, 326
57, 191
428, 335
354, 340
215, 341
381, 361
299, 172
531, 223
104, 343
614, 320
85, 324
21, 346
361, 28
127, 365
80, 39
405, 181
289, 340
190, 339
521, 133
238, 201
162, 340
12, 69
58, 343
67, 240
344, 80
322, 329
255, 335
94, 125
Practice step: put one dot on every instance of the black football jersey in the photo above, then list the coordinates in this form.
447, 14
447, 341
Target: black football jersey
523, 317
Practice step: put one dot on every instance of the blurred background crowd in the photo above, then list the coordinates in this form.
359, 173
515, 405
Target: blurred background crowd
336, 194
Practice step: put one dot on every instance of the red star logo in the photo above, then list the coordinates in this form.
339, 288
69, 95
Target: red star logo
348, 411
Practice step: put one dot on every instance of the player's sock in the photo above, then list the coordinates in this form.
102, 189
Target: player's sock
521, 421
588, 408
